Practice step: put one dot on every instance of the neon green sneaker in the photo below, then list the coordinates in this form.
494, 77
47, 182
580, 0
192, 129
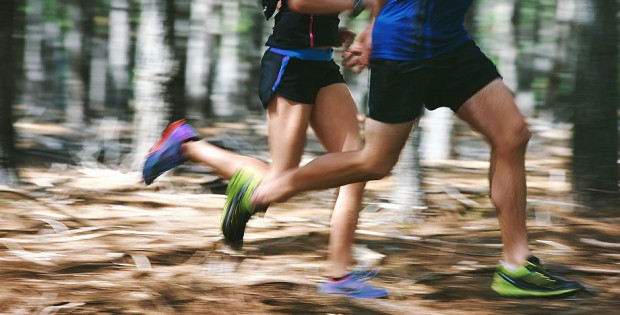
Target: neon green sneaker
238, 208
531, 280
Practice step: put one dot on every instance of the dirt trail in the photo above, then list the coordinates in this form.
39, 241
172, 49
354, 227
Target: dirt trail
96, 241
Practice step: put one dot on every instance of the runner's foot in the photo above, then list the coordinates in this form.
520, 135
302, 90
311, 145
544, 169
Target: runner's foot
354, 285
166, 153
531, 280
238, 207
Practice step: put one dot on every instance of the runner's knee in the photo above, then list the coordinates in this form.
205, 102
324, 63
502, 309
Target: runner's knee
515, 138
375, 169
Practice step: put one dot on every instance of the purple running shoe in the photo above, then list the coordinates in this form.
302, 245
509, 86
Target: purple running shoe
166, 153
354, 285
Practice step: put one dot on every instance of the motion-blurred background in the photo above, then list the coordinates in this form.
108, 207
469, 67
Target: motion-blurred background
86, 86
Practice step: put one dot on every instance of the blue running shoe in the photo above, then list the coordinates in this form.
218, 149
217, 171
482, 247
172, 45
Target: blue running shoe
354, 285
166, 153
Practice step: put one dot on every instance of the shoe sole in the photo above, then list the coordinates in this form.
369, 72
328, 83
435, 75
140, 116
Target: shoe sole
508, 290
353, 295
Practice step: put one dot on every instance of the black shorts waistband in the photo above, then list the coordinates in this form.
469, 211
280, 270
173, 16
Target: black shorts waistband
305, 54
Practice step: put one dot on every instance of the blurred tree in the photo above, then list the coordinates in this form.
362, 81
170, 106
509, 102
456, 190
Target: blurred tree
73, 42
562, 73
201, 57
33, 56
231, 75
19, 26
252, 49
87, 26
56, 23
526, 21
8, 170
595, 151
117, 82
152, 73
176, 39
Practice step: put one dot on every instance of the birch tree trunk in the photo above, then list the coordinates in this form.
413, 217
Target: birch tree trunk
153, 66
227, 101
408, 197
202, 57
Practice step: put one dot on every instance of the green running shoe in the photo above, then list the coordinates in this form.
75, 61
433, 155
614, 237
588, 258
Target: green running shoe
531, 280
238, 207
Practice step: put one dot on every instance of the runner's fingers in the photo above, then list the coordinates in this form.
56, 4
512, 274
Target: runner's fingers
353, 50
351, 62
361, 67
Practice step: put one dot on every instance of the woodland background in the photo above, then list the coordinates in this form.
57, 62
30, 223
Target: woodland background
86, 86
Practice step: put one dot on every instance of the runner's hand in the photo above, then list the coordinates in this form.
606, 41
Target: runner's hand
345, 37
357, 55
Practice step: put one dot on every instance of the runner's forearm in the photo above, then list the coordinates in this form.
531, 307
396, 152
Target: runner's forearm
323, 6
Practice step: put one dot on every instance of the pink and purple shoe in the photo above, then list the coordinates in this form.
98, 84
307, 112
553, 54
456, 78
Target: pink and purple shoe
166, 153
354, 285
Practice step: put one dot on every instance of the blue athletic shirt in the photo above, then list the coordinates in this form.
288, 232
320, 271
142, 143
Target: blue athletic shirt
419, 29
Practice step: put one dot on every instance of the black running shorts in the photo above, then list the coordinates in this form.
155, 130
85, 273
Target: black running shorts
295, 79
400, 89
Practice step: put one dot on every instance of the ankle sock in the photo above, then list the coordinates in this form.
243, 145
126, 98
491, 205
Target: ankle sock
509, 266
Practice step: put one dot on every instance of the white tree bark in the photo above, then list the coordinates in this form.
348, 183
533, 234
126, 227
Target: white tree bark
408, 196
226, 100
203, 24
153, 66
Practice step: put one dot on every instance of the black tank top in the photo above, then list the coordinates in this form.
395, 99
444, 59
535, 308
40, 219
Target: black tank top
294, 30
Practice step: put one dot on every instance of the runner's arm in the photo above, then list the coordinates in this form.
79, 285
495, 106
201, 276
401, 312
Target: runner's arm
324, 6
357, 56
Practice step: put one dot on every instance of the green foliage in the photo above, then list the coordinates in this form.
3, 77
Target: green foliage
539, 87
245, 22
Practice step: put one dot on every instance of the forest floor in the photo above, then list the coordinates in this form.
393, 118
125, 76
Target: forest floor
83, 238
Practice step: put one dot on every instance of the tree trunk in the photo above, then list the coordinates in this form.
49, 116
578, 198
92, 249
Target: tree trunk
153, 66
19, 43
408, 198
74, 109
8, 170
227, 99
595, 151
252, 50
117, 84
97, 81
87, 25
54, 62
33, 61
176, 39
